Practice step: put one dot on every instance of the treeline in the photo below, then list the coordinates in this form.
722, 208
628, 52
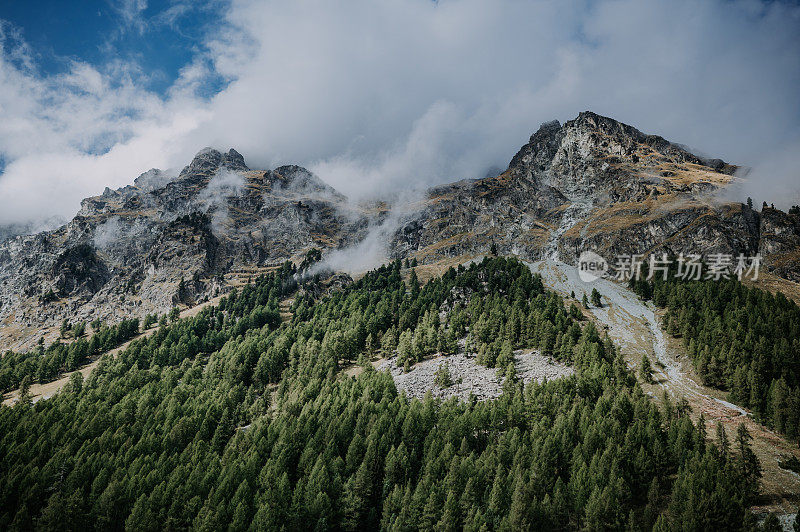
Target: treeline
186, 429
46, 364
253, 306
742, 339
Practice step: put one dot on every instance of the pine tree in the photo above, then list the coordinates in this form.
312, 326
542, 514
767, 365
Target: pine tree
518, 517
722, 441
748, 461
24, 390
653, 507
431, 511
451, 515
405, 347
646, 370
596, 298
369, 345
506, 355
389, 341
442, 376
75, 382
149, 321
141, 517
414, 284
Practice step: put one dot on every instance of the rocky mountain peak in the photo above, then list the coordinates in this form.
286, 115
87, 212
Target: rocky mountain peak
293, 178
590, 183
209, 160
590, 147
541, 147
607, 132
603, 136
604, 124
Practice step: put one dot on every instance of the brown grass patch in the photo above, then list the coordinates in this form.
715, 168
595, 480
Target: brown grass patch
774, 284
626, 214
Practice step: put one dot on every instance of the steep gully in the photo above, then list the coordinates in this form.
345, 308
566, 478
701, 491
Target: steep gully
634, 326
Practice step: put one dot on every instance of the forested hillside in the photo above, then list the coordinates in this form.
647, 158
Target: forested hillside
44, 364
741, 339
234, 419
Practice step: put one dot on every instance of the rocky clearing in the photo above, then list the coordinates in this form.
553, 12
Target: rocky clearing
470, 378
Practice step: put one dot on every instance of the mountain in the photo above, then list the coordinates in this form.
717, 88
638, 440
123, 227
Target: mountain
460, 388
126, 251
595, 183
591, 183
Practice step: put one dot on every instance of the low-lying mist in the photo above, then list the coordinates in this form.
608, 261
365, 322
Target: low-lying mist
373, 249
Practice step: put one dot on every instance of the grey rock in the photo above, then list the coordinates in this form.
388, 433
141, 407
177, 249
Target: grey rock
590, 183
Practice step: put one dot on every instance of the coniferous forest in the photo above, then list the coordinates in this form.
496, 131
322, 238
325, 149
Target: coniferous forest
44, 364
742, 339
236, 419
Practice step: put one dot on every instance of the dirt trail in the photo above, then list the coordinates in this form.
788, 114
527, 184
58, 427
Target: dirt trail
634, 326
48, 389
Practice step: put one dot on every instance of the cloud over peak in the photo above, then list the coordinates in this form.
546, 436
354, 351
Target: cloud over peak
376, 97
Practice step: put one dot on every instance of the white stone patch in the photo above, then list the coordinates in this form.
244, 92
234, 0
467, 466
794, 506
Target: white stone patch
469, 377
532, 366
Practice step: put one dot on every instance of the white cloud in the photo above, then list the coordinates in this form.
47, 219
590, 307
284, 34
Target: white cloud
130, 13
379, 96
214, 197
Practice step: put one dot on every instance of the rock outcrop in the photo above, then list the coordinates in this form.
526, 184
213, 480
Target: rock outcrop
591, 183
596, 184
127, 250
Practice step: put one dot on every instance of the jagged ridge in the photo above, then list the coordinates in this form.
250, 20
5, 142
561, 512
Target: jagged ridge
591, 183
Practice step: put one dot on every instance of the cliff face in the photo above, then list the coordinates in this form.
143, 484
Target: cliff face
780, 242
127, 250
591, 183
595, 183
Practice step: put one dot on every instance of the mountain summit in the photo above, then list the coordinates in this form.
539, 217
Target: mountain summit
210, 160
596, 183
590, 183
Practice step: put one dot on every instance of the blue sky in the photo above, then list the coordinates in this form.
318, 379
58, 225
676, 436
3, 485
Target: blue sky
380, 97
159, 36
